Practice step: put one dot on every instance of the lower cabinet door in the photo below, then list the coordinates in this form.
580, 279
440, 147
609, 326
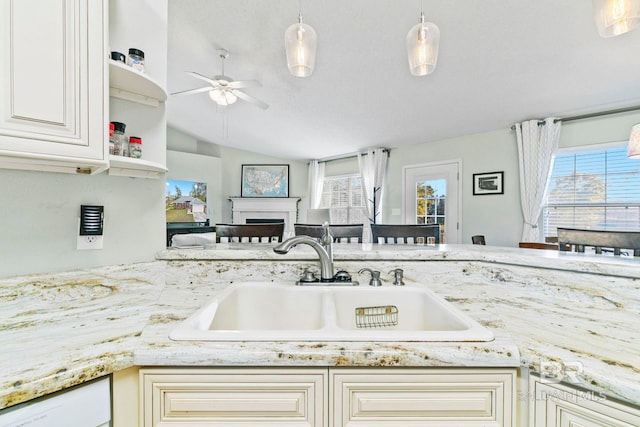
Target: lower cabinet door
422, 397
237, 397
558, 405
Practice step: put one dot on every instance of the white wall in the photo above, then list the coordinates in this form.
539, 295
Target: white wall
39, 214
39, 211
498, 217
231, 161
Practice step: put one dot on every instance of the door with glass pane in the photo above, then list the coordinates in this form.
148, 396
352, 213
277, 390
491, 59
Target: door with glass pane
432, 196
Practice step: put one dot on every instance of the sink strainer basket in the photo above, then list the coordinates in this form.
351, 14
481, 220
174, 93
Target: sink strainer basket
376, 317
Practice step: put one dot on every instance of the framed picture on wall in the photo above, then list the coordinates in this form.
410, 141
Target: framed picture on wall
265, 181
488, 183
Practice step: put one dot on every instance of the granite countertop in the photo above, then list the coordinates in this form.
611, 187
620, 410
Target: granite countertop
545, 309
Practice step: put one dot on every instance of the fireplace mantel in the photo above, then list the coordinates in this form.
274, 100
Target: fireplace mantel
286, 208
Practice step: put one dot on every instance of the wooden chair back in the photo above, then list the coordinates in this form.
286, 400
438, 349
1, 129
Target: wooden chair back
616, 242
478, 239
405, 233
342, 233
538, 245
250, 233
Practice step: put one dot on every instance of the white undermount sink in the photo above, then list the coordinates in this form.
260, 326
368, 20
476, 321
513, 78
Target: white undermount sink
265, 311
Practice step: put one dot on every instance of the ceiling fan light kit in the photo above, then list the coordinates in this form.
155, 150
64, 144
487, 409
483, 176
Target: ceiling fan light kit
423, 41
300, 46
616, 17
223, 90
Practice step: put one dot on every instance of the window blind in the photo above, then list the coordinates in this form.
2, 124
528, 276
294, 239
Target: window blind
597, 189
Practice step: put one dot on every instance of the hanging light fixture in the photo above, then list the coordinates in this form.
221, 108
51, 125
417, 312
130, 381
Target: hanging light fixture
300, 46
615, 17
633, 149
223, 96
422, 47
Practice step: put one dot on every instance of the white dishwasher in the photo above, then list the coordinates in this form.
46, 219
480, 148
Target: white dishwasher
83, 406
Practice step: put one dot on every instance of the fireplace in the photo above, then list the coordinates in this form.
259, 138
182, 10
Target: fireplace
247, 210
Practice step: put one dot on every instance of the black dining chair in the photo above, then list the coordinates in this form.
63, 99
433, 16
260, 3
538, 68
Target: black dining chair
405, 233
602, 241
249, 233
342, 233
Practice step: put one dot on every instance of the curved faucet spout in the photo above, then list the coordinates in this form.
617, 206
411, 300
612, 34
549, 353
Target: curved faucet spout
326, 264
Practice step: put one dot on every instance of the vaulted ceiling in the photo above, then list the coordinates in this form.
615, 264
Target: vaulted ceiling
500, 62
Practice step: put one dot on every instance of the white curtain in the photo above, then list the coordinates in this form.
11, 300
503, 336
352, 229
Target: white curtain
373, 168
537, 145
316, 181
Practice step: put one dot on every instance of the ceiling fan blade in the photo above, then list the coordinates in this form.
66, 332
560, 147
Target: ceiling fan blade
237, 84
193, 91
250, 99
204, 78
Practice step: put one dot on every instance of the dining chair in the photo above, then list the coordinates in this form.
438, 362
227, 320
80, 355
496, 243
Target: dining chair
249, 233
478, 239
538, 245
342, 233
405, 233
602, 241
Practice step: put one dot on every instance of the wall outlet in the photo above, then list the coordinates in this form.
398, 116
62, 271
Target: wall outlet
89, 242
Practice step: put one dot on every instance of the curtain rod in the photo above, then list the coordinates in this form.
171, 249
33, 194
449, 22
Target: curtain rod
351, 155
590, 115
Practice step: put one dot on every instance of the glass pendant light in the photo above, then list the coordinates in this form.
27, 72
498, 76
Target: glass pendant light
633, 149
422, 47
300, 46
615, 17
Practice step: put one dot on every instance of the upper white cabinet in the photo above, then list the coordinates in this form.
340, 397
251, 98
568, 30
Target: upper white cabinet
136, 98
53, 85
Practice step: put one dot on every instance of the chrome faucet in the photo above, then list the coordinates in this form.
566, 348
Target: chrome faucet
327, 240
326, 263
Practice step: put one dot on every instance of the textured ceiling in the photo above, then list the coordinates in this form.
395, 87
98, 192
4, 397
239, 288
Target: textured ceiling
500, 62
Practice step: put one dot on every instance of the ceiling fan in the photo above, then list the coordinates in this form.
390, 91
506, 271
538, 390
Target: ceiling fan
223, 89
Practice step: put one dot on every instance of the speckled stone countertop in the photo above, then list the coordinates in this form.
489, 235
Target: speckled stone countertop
547, 311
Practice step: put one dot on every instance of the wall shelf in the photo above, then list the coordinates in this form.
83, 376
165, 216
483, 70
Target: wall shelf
138, 168
131, 85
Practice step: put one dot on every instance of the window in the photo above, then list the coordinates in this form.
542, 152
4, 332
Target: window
595, 189
343, 195
430, 201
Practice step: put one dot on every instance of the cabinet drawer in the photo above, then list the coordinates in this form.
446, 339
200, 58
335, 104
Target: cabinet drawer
242, 397
440, 397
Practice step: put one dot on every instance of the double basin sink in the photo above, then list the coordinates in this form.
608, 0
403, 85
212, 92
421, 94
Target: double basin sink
267, 311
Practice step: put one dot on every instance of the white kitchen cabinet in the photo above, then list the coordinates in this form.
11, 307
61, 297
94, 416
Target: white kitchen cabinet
321, 397
239, 397
559, 405
53, 85
422, 397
